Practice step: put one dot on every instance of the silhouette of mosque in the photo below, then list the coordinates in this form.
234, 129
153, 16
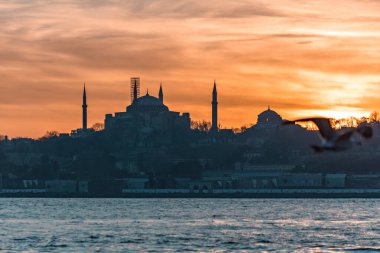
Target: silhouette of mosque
149, 114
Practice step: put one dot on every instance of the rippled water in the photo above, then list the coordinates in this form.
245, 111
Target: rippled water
114, 225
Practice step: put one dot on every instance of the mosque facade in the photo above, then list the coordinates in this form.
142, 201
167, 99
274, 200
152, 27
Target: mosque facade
149, 114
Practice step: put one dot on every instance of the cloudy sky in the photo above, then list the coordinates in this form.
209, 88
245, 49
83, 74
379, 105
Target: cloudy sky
300, 57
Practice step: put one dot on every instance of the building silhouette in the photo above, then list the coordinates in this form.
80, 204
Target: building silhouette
214, 125
148, 115
156, 148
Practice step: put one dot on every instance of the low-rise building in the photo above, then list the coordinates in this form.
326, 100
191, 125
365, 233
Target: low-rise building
300, 180
201, 186
82, 186
363, 181
335, 180
61, 186
137, 183
66, 186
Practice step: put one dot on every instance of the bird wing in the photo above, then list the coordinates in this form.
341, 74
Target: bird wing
287, 122
344, 137
323, 125
365, 131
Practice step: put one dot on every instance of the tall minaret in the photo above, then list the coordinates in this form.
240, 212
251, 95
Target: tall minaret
161, 94
84, 107
214, 126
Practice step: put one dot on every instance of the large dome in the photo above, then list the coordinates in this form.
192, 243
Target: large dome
148, 100
269, 117
147, 103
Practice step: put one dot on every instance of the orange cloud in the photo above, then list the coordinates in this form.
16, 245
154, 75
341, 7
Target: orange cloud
299, 57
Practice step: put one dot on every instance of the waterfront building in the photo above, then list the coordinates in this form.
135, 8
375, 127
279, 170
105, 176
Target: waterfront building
137, 183
66, 186
148, 115
301, 180
335, 180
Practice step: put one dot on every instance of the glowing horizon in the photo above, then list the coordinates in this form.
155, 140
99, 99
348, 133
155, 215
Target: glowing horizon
302, 58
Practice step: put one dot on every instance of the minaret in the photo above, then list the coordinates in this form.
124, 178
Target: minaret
214, 126
161, 94
84, 108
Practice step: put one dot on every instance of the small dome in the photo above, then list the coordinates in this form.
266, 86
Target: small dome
270, 114
269, 117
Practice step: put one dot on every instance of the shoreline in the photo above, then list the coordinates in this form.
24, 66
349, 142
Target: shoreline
193, 195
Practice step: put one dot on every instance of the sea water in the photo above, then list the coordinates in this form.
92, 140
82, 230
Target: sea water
185, 225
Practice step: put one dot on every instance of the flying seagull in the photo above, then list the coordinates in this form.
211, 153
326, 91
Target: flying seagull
333, 140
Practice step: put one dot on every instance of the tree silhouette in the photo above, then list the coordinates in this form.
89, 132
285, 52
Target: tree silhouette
49, 135
98, 127
201, 126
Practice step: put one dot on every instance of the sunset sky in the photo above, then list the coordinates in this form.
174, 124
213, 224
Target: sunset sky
299, 57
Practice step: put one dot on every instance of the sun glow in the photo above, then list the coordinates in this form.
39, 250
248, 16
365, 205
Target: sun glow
338, 113
337, 33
